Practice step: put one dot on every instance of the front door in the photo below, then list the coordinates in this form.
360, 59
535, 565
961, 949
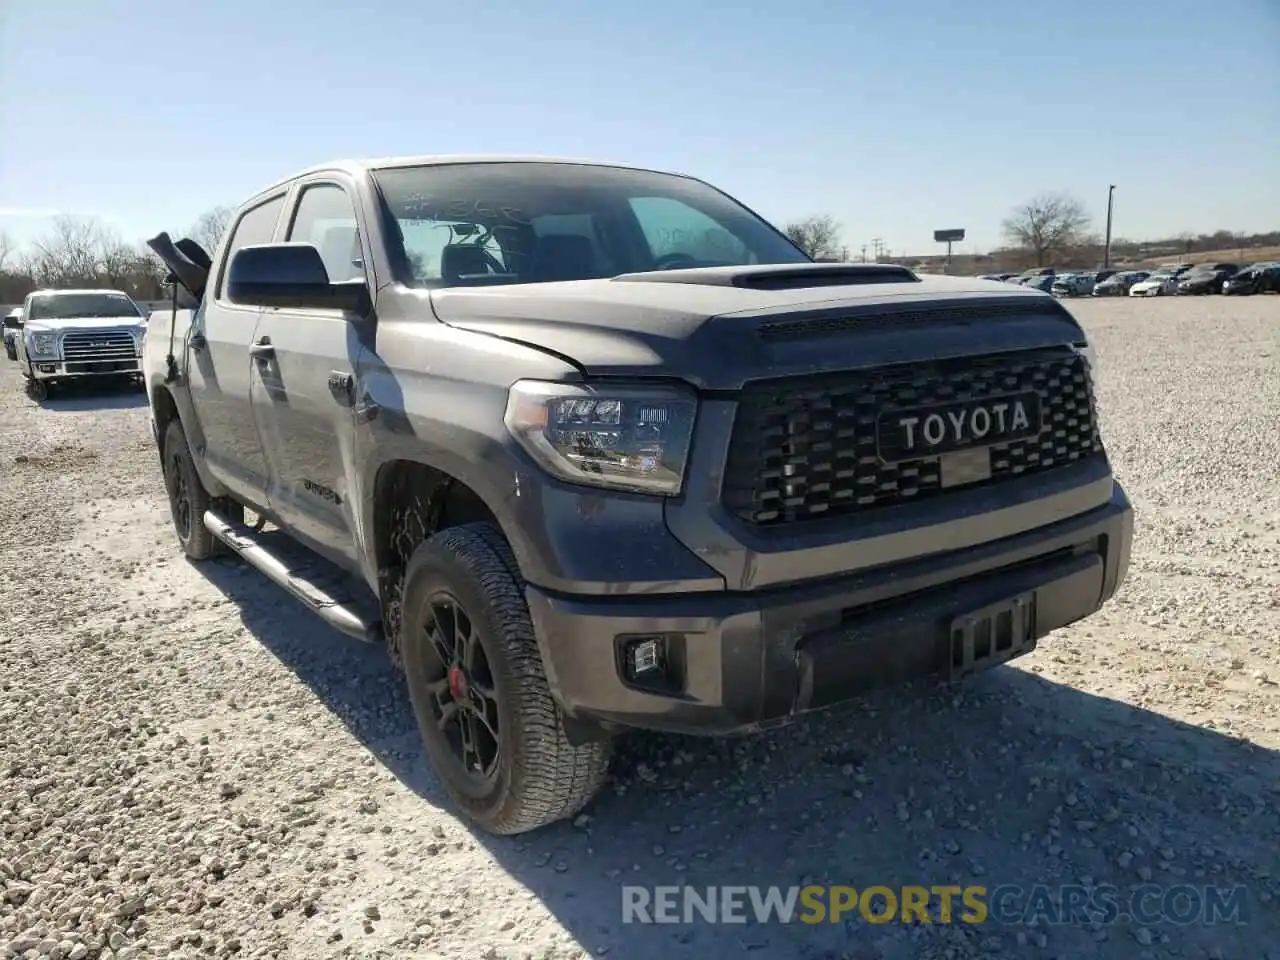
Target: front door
218, 367
304, 385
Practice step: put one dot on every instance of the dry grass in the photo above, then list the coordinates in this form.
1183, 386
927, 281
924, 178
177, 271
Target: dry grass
1234, 255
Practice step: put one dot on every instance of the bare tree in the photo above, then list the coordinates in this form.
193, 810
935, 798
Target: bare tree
210, 227
83, 252
1047, 224
70, 254
819, 237
7, 249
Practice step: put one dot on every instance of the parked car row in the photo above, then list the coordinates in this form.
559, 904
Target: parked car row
1180, 279
1255, 278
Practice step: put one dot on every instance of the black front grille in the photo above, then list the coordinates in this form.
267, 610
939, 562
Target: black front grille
805, 448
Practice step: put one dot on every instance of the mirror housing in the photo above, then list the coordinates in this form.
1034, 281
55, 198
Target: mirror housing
13, 323
290, 275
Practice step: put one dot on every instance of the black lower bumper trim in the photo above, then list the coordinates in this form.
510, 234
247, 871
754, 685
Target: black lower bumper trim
933, 635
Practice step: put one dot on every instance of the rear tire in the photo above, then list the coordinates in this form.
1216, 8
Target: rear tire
470, 656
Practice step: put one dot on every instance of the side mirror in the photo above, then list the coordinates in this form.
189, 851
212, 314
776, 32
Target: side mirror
13, 323
290, 275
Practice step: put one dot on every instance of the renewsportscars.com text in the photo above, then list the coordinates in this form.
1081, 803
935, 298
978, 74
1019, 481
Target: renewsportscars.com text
1147, 904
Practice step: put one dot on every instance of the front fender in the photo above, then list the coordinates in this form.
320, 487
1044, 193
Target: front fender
171, 398
443, 404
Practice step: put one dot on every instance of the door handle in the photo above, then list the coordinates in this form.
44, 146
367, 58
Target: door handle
198, 342
261, 349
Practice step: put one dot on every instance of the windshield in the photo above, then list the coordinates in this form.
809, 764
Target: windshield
63, 306
520, 222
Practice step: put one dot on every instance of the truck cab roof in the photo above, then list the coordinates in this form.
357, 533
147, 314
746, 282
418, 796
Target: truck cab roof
360, 167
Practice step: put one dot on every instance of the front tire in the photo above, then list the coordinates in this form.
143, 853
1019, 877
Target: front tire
37, 390
489, 723
188, 499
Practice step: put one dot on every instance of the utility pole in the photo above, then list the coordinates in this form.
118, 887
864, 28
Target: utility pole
1106, 252
864, 253
876, 247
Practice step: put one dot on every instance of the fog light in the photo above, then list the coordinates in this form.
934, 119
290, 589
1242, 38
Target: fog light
644, 657
48, 367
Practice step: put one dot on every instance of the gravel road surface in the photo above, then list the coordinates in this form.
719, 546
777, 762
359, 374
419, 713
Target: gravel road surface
191, 765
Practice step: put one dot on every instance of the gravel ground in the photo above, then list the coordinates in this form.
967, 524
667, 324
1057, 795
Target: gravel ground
190, 765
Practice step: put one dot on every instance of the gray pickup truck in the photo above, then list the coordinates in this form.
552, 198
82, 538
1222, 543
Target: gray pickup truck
592, 448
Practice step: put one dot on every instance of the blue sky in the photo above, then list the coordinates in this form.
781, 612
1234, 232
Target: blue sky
895, 117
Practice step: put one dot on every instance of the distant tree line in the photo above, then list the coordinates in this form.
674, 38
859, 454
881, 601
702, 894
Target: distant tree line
85, 252
1050, 229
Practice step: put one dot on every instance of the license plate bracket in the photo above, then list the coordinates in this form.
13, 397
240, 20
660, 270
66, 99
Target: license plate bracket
991, 635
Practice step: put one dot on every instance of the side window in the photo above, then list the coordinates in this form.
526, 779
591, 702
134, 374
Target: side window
256, 225
672, 227
326, 218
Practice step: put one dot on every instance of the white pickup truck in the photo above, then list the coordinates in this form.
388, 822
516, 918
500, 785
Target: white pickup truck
68, 334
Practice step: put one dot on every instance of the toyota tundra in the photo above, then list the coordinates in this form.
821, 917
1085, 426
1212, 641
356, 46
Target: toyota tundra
592, 447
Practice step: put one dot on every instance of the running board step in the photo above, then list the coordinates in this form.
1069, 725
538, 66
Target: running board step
303, 577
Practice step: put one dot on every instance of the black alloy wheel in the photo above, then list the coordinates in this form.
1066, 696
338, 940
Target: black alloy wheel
179, 494
460, 684
490, 727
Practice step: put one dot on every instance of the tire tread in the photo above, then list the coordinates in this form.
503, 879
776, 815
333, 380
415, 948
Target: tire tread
551, 779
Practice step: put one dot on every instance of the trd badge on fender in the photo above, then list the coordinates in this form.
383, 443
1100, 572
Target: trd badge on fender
909, 434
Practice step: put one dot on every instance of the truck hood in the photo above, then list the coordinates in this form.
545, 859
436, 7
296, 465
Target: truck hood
719, 328
85, 323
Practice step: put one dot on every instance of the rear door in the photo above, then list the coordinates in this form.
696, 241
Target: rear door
303, 389
219, 366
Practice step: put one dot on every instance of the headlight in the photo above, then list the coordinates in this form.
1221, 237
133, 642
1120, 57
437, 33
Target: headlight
44, 343
632, 438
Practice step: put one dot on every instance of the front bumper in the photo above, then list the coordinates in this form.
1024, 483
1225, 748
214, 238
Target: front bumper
735, 662
59, 370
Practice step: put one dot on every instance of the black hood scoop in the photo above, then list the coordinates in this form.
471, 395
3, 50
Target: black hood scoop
886, 316
798, 276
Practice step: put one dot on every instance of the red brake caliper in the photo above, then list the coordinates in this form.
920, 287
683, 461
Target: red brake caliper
457, 683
